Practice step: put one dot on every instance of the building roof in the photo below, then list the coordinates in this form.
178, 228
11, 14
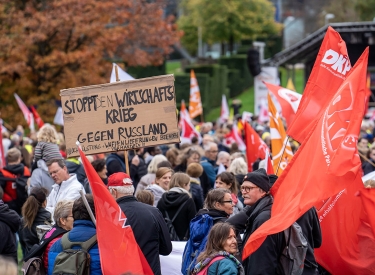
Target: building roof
308, 47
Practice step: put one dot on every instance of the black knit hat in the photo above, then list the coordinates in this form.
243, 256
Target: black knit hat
259, 178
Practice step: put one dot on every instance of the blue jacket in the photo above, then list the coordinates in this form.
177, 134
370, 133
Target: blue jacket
223, 267
82, 231
209, 168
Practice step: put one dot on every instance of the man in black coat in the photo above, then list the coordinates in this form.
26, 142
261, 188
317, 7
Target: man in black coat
255, 191
149, 227
9, 224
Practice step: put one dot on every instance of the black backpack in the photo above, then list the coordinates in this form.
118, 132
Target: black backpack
169, 222
74, 261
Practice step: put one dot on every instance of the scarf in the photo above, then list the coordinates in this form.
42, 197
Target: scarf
201, 265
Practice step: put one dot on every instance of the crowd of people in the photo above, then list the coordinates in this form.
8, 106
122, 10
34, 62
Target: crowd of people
167, 193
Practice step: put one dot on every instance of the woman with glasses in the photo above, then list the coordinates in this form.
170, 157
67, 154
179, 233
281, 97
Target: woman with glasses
218, 204
63, 223
227, 180
218, 257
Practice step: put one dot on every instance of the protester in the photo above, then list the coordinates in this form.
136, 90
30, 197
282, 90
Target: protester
218, 258
255, 191
369, 165
151, 153
150, 230
218, 205
208, 162
162, 178
46, 147
66, 186
172, 156
178, 200
83, 230
15, 194
74, 166
146, 197
224, 159
63, 223
34, 214
239, 168
149, 178
194, 171
228, 181
100, 168
9, 225
138, 167
115, 163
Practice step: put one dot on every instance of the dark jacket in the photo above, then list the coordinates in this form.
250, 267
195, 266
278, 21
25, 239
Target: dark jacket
115, 163
265, 260
81, 232
205, 182
310, 225
209, 168
368, 167
150, 230
28, 236
9, 225
217, 215
77, 169
170, 202
137, 172
196, 193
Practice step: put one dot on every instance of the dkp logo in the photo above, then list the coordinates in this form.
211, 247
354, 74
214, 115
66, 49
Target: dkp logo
339, 63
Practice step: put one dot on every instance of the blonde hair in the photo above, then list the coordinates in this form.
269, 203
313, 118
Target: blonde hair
153, 166
62, 210
13, 155
179, 180
47, 134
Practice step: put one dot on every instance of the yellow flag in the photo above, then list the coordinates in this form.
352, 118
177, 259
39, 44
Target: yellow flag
290, 85
280, 156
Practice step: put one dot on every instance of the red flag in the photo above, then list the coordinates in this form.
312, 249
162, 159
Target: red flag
255, 146
187, 128
119, 251
37, 117
26, 112
331, 153
347, 223
2, 156
330, 70
269, 165
288, 100
234, 137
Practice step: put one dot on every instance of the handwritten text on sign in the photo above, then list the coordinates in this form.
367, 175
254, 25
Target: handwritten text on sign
120, 116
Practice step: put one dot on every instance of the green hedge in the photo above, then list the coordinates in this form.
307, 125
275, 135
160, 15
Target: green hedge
142, 72
239, 78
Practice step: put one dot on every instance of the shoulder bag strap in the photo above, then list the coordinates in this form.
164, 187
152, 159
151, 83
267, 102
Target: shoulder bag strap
67, 244
87, 245
178, 211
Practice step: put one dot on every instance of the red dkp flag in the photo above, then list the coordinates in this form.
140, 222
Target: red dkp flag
37, 117
26, 112
119, 251
332, 66
255, 146
331, 152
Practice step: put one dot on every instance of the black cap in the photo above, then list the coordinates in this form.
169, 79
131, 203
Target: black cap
259, 178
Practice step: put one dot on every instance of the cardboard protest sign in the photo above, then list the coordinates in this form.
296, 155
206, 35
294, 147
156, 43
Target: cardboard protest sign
120, 116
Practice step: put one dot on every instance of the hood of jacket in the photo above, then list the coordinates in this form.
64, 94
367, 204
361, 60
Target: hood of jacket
72, 166
10, 217
16, 169
173, 199
156, 190
214, 213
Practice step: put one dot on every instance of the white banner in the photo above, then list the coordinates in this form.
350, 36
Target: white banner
270, 75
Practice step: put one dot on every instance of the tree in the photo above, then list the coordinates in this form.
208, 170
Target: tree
227, 21
344, 11
366, 9
51, 45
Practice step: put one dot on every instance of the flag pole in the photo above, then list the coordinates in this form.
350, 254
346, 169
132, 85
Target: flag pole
87, 207
202, 119
125, 151
284, 146
365, 158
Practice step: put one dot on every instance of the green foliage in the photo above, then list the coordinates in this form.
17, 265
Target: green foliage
226, 21
365, 9
148, 71
173, 66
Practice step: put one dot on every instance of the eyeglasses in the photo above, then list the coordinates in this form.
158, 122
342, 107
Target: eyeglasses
54, 172
70, 216
247, 189
214, 151
231, 202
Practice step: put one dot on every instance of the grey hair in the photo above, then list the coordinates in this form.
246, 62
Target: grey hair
127, 190
62, 210
153, 166
223, 154
238, 166
208, 145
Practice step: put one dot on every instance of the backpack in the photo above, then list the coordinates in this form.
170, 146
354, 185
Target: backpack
169, 222
15, 189
204, 271
200, 226
34, 266
74, 261
293, 256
